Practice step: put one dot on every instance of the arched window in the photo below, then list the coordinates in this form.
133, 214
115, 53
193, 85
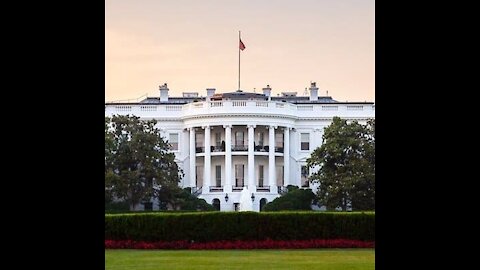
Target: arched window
216, 204
262, 203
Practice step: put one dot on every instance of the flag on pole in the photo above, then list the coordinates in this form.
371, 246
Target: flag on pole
242, 46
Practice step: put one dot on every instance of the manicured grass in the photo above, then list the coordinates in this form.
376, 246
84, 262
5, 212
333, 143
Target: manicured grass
325, 259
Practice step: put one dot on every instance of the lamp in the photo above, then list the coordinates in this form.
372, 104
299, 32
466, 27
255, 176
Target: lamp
253, 197
226, 197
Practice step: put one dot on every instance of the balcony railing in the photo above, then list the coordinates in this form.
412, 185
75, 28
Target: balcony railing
237, 189
196, 191
216, 189
218, 148
240, 147
263, 189
196, 109
282, 190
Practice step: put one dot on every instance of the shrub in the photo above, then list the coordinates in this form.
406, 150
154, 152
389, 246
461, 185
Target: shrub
263, 244
294, 199
244, 226
115, 207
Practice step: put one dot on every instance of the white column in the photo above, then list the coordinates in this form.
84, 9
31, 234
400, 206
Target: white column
192, 157
228, 158
207, 168
271, 159
286, 156
251, 159
317, 138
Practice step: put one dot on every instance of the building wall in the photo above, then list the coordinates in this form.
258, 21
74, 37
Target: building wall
301, 118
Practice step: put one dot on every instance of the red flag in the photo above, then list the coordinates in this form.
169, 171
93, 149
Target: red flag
242, 46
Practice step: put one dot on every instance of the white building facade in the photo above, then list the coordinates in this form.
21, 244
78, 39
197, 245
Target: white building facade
231, 141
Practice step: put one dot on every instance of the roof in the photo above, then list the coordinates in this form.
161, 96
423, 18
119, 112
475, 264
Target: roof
239, 95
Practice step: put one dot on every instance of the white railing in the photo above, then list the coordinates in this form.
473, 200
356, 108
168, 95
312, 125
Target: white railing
329, 108
216, 104
261, 103
173, 107
243, 106
123, 108
239, 103
305, 107
148, 108
354, 108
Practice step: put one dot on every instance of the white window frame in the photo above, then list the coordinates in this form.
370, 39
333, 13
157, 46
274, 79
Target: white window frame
178, 141
309, 142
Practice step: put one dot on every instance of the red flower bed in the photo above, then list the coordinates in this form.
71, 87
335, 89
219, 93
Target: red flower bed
264, 244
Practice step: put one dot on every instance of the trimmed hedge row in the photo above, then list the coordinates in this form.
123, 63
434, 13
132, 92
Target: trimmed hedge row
262, 244
232, 226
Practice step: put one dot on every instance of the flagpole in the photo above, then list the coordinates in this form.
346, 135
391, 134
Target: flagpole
239, 39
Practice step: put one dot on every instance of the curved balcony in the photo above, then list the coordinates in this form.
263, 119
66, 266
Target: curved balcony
241, 149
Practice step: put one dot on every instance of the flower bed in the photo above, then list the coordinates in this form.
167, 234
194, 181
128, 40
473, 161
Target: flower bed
263, 244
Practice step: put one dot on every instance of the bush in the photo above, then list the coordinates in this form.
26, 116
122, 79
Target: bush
244, 226
115, 207
182, 200
294, 199
263, 244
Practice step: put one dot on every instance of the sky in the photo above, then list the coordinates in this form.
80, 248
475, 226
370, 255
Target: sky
192, 45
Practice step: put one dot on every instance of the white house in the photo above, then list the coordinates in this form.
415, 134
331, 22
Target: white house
225, 142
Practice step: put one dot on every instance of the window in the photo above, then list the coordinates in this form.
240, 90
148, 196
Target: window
261, 137
199, 175
279, 142
199, 139
260, 175
199, 142
278, 139
218, 176
239, 175
305, 141
239, 138
218, 139
174, 141
304, 177
279, 172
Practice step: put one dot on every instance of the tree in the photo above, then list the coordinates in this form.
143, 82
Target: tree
137, 162
346, 166
294, 199
182, 199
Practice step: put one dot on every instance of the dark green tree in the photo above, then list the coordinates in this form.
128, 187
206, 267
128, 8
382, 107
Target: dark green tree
346, 166
182, 199
294, 199
137, 162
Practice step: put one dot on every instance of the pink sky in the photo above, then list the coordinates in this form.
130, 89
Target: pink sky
193, 45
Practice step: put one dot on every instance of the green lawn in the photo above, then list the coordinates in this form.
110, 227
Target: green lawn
327, 259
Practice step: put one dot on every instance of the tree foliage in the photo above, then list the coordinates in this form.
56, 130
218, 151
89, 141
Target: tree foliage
137, 162
182, 199
346, 166
294, 199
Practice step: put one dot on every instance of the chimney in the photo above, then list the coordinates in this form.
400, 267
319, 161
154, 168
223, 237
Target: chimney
163, 93
267, 91
313, 91
210, 92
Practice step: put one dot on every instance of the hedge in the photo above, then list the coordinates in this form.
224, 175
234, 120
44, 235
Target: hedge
244, 226
295, 199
